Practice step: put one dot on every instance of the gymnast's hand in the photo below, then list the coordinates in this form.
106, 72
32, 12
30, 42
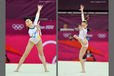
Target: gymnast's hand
81, 7
40, 7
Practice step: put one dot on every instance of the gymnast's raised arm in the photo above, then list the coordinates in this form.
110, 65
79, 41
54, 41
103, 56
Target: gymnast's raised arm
37, 14
82, 12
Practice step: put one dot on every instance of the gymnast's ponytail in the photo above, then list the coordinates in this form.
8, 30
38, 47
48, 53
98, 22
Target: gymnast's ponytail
87, 17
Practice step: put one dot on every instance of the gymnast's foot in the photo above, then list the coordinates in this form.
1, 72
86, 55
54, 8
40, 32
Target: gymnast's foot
75, 36
46, 71
83, 71
16, 71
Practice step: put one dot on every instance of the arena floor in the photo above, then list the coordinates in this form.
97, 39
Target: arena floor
74, 68
30, 70
65, 68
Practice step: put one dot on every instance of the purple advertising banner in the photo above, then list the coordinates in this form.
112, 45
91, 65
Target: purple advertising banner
95, 22
15, 27
89, 4
93, 35
18, 9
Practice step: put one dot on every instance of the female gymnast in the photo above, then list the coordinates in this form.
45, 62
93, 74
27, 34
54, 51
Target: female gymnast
82, 37
34, 33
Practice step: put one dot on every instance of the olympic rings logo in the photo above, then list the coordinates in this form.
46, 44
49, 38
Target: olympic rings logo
17, 26
101, 35
49, 42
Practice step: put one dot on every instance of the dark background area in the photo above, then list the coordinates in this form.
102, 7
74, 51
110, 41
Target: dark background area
90, 5
18, 9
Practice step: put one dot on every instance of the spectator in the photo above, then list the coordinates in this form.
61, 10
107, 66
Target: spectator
6, 59
88, 56
70, 37
65, 26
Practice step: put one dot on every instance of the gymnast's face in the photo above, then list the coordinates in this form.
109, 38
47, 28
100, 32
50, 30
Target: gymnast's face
84, 24
28, 23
